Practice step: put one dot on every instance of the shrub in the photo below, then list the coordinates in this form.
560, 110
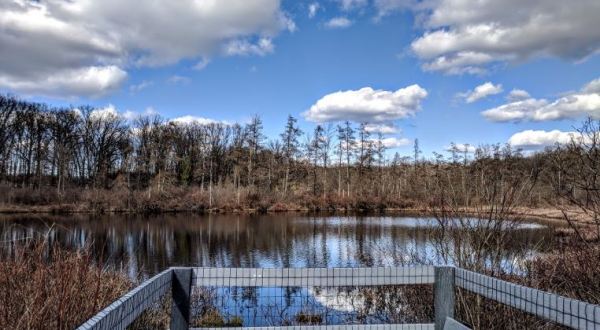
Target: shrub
46, 287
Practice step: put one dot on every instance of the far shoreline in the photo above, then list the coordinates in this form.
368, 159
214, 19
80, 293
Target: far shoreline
546, 215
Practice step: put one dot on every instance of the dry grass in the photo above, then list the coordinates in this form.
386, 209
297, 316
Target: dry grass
571, 272
481, 313
45, 287
193, 198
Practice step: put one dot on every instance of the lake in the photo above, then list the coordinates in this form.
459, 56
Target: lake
145, 245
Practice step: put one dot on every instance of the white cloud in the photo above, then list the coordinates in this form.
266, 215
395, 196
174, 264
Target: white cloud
514, 111
132, 115
262, 47
186, 120
49, 46
141, 86
91, 81
504, 30
482, 91
462, 62
176, 79
592, 87
367, 105
352, 4
104, 113
571, 106
385, 7
461, 147
393, 142
201, 64
384, 128
574, 105
287, 22
312, 9
538, 139
338, 23
110, 111
518, 95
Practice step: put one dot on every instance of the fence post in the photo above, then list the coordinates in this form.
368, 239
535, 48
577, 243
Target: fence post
443, 295
181, 286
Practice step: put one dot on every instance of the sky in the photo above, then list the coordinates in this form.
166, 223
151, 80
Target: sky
441, 71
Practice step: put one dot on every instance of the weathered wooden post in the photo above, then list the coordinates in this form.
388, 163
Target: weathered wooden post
443, 295
181, 287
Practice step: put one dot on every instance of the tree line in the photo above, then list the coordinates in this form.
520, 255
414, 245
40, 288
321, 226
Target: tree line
61, 150
88, 147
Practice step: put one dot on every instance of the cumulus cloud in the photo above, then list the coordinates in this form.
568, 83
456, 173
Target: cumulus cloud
312, 9
367, 105
107, 112
518, 95
338, 23
592, 87
132, 115
574, 105
384, 128
394, 142
262, 47
466, 36
91, 81
514, 111
186, 120
482, 91
538, 139
461, 147
462, 62
83, 47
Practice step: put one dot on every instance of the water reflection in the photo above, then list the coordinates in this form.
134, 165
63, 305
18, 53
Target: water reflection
146, 245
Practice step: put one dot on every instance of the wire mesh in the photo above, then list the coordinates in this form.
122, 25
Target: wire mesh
125, 311
364, 298
560, 310
230, 297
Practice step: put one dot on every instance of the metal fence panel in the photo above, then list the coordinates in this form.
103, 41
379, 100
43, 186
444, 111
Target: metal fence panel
564, 311
424, 326
302, 277
126, 309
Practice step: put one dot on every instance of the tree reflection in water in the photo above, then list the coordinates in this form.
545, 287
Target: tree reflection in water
147, 245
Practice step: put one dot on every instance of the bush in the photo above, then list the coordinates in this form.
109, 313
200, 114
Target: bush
46, 287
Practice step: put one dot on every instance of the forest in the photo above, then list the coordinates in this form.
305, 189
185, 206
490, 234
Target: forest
87, 159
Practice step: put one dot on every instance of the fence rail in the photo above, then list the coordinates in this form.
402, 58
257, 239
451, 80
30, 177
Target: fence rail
180, 280
309, 277
565, 311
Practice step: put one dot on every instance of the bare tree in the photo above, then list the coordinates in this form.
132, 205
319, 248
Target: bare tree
291, 146
347, 144
255, 138
578, 181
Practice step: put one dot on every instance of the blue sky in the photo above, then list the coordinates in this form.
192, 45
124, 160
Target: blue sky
274, 58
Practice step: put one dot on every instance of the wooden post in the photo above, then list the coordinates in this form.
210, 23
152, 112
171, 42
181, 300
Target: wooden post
443, 295
181, 287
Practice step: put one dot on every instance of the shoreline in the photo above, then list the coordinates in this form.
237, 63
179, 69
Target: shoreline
547, 215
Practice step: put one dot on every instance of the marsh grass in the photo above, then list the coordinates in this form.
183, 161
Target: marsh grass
47, 287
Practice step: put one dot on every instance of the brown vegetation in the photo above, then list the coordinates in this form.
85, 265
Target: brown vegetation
496, 190
44, 287
85, 160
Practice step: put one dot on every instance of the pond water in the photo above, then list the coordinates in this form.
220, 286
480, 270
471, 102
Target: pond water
148, 244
